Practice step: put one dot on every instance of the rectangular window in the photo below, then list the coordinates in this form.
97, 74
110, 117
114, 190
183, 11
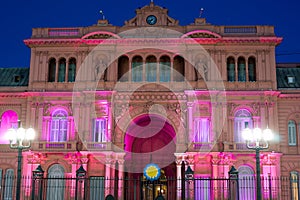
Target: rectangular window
151, 72
291, 79
202, 130
292, 133
165, 72
100, 130
137, 72
59, 129
240, 125
97, 188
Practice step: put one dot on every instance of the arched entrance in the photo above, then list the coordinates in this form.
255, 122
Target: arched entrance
150, 139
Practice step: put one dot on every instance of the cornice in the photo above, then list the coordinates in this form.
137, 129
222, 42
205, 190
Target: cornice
145, 41
146, 96
290, 96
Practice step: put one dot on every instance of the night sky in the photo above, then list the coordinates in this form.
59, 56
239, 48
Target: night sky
18, 17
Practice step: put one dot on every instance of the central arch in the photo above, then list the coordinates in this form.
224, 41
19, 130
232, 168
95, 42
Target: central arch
150, 138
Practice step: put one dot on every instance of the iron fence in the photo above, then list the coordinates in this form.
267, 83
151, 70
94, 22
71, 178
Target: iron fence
198, 188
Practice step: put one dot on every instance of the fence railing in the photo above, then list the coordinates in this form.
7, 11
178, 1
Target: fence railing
198, 188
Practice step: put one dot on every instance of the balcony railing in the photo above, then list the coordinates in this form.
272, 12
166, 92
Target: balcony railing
69, 146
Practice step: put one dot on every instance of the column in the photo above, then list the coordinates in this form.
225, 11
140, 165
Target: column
69, 135
111, 71
263, 115
67, 71
56, 70
172, 70
129, 73
247, 72
73, 174
271, 113
40, 122
112, 177
76, 114
121, 178
109, 122
179, 159
236, 70
214, 163
46, 134
107, 176
223, 66
32, 115
144, 77
190, 121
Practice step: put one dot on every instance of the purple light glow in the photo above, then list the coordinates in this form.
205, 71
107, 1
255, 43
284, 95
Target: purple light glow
149, 138
9, 119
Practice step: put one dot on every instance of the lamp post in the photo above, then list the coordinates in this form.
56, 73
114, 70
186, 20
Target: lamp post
258, 140
20, 139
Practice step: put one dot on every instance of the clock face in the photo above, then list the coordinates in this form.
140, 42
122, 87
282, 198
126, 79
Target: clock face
151, 20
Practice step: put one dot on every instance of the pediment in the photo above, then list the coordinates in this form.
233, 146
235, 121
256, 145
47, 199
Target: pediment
160, 14
201, 34
100, 35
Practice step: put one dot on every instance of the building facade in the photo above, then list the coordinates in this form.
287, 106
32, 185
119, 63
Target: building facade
116, 98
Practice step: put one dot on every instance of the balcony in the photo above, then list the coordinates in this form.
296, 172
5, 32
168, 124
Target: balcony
69, 146
232, 146
215, 147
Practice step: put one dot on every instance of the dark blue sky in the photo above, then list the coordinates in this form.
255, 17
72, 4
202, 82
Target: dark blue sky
18, 17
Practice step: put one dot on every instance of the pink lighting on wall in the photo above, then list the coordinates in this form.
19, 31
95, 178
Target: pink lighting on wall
150, 138
9, 119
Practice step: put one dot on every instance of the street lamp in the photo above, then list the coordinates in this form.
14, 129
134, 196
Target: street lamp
258, 140
20, 139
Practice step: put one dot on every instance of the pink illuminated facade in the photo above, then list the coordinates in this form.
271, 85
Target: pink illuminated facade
114, 99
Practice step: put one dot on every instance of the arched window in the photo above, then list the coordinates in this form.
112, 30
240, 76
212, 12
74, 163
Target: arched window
242, 120
62, 70
59, 126
56, 185
9, 119
164, 69
123, 68
178, 72
251, 69
230, 69
241, 69
151, 69
137, 69
294, 177
292, 133
52, 70
246, 183
72, 70
202, 130
8, 184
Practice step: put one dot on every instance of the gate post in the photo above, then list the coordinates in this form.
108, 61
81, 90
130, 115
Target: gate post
80, 183
37, 177
233, 184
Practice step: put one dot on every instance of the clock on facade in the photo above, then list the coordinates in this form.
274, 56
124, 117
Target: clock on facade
151, 20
